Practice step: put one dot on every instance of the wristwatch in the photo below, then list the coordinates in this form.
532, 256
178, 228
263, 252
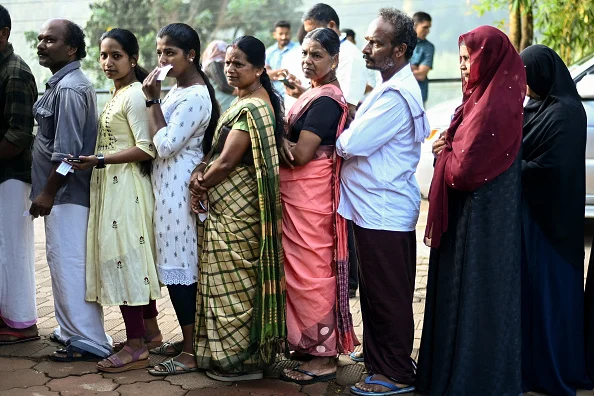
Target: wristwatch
100, 161
149, 103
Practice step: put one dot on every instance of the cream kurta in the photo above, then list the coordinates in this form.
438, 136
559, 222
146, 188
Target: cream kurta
120, 242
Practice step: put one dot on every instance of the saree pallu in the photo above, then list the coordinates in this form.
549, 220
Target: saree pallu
240, 316
315, 245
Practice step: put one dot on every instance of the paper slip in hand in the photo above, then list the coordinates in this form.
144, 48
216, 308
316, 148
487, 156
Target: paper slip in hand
163, 72
64, 168
202, 216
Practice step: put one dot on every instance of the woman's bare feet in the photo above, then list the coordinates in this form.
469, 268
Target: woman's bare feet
125, 356
319, 366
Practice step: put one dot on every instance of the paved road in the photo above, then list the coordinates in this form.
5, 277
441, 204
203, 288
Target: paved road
25, 369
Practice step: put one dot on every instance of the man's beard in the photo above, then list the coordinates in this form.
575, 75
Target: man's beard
384, 65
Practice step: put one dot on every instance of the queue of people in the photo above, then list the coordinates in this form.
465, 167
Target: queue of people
242, 213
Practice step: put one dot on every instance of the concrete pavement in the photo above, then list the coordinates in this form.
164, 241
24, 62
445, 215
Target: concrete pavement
26, 370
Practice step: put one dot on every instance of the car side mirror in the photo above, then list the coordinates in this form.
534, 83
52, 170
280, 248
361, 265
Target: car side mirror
585, 87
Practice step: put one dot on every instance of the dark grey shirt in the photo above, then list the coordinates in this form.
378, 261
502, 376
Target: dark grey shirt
67, 119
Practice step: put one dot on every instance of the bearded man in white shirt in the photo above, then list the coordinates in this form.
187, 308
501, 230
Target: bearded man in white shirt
380, 194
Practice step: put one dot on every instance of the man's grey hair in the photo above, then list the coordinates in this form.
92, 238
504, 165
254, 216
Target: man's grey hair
402, 28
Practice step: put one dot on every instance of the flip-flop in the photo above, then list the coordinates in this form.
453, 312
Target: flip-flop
256, 375
170, 368
19, 337
67, 356
120, 367
357, 357
162, 350
314, 378
393, 389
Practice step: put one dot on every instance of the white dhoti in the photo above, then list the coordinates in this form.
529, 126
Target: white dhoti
81, 322
17, 259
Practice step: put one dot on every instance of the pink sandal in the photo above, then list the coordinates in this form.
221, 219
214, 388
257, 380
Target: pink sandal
119, 367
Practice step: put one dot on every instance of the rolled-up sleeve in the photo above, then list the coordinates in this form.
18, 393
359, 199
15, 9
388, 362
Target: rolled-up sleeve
72, 114
19, 99
138, 119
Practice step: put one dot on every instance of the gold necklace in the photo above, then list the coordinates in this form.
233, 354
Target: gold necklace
251, 92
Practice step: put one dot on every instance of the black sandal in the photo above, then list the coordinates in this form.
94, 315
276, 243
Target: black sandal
68, 355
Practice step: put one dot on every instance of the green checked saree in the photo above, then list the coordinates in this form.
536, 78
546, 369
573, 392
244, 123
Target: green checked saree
240, 316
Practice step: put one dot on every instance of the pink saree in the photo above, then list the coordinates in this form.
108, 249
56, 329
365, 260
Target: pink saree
319, 322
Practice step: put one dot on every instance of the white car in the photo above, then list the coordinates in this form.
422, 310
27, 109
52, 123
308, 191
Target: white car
441, 114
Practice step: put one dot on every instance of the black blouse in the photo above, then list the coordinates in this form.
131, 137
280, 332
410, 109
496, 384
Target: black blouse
321, 118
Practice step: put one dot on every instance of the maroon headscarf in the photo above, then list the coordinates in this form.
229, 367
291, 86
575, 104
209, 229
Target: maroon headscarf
485, 134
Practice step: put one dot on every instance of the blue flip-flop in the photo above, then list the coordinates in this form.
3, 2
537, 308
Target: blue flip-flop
355, 358
393, 389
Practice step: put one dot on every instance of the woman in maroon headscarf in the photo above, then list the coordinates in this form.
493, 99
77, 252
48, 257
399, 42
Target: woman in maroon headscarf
472, 331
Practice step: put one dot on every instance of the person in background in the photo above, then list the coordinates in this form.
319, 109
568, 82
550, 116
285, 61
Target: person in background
471, 340
213, 64
66, 115
553, 191
350, 35
422, 59
241, 320
276, 52
120, 241
182, 128
319, 323
351, 72
379, 193
18, 92
292, 65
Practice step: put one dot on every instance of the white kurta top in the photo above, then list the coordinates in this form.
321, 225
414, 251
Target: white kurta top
179, 149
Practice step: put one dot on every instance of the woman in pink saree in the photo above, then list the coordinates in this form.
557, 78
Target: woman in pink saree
319, 323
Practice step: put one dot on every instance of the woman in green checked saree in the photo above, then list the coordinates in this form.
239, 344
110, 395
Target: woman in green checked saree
240, 317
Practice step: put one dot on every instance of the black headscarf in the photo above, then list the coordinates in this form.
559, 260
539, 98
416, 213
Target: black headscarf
554, 153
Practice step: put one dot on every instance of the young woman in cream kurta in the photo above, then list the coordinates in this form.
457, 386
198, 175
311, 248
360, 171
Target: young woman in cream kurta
121, 266
120, 240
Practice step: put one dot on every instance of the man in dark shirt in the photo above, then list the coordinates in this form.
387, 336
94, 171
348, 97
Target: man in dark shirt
422, 59
67, 119
18, 92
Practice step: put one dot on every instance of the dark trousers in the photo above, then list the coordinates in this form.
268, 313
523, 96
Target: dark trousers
134, 318
353, 262
387, 264
183, 299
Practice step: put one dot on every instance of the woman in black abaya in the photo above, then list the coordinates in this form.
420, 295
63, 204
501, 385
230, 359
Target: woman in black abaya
553, 188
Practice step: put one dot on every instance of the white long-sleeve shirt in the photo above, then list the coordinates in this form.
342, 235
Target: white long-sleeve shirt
351, 72
378, 186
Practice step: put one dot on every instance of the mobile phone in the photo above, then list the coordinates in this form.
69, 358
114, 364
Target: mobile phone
75, 160
287, 83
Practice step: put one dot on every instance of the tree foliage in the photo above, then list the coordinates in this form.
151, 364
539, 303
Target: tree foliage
567, 26
212, 19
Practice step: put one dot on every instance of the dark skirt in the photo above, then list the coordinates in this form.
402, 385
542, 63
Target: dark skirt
553, 358
471, 332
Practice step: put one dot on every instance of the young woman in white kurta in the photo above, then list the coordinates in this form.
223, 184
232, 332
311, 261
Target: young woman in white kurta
182, 129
